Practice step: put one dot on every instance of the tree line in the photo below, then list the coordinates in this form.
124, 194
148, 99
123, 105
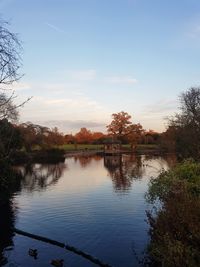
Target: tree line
29, 136
181, 135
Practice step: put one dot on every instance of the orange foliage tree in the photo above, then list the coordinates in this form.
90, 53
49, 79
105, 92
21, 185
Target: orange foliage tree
84, 136
135, 134
97, 137
119, 126
123, 129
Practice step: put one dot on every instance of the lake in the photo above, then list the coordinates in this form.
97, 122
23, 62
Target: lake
94, 203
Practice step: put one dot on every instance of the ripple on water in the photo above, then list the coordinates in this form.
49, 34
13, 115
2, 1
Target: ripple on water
97, 205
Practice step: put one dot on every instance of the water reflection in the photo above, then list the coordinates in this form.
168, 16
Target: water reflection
123, 169
84, 161
10, 183
41, 176
7, 223
80, 205
32, 177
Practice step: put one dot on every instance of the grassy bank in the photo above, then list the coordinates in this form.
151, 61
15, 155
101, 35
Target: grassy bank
93, 147
72, 147
57, 153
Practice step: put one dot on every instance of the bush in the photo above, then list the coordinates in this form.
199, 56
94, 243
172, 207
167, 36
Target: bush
174, 228
49, 156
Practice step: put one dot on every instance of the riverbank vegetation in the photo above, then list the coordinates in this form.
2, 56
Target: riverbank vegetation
174, 221
174, 227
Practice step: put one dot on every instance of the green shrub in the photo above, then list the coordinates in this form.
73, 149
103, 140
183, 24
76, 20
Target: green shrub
174, 228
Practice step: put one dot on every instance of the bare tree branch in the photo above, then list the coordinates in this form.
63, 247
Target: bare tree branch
10, 62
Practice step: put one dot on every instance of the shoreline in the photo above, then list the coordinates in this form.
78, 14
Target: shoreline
58, 155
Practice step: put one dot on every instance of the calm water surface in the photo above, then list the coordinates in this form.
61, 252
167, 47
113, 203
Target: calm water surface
94, 203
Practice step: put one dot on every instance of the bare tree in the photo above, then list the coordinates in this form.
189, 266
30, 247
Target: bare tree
185, 125
10, 62
7, 108
190, 105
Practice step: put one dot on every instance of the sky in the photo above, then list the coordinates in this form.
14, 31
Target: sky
86, 59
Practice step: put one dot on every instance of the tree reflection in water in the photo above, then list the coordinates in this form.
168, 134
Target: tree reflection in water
123, 169
84, 161
7, 222
10, 183
31, 177
41, 176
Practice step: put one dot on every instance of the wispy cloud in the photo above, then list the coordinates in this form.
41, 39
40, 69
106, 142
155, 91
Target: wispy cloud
91, 75
128, 80
73, 103
69, 125
82, 75
75, 108
54, 27
161, 108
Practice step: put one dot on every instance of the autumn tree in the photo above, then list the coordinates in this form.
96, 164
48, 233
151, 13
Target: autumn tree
84, 136
135, 134
97, 137
122, 128
119, 126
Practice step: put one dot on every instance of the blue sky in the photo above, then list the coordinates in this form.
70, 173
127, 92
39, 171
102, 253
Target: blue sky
85, 59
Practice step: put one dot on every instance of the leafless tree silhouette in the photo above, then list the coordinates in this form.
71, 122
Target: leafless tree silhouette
10, 62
